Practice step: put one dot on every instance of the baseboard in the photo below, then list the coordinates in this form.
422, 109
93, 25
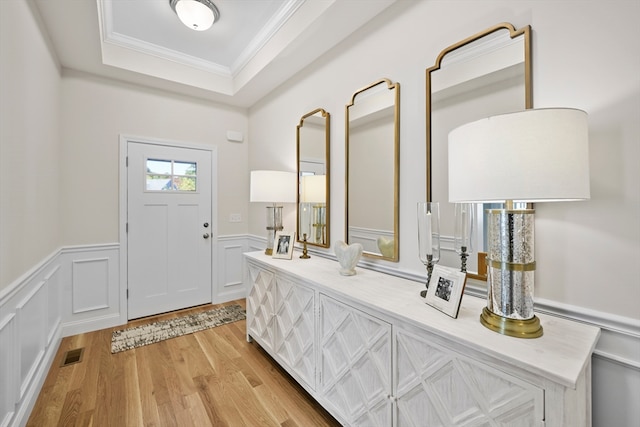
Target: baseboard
230, 296
92, 324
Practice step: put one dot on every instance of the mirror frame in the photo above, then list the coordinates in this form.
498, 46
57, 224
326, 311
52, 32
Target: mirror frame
513, 33
396, 167
327, 118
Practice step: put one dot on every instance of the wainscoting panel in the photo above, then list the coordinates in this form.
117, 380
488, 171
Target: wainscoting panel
54, 316
91, 296
31, 314
229, 267
89, 285
256, 243
615, 393
30, 327
8, 387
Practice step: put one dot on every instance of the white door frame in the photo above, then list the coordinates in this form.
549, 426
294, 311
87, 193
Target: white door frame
122, 223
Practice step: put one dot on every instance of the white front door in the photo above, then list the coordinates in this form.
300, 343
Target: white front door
169, 228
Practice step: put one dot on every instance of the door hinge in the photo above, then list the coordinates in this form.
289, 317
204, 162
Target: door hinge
126, 227
126, 161
127, 293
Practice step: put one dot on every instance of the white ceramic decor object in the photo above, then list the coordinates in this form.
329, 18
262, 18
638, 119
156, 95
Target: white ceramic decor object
348, 256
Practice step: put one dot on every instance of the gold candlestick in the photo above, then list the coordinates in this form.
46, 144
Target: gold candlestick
304, 255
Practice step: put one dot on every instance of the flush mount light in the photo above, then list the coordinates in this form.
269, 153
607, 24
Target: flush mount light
198, 15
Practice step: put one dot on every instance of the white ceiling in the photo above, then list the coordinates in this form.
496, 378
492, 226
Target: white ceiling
254, 47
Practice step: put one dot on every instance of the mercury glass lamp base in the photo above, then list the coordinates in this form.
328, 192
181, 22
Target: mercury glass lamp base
274, 224
529, 328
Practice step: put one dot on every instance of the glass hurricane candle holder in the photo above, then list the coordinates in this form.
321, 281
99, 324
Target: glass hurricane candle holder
428, 236
304, 220
463, 229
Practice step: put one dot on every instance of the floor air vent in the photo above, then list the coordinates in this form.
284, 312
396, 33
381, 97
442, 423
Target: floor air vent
72, 356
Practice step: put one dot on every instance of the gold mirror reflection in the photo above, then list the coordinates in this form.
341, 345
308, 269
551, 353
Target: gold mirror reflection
372, 140
312, 135
486, 74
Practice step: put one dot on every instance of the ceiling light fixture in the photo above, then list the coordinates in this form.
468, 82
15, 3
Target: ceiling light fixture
198, 15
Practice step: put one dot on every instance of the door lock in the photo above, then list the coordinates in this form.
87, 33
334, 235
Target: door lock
205, 235
206, 224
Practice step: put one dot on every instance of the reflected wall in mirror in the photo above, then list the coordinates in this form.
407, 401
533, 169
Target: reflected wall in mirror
312, 135
486, 74
372, 140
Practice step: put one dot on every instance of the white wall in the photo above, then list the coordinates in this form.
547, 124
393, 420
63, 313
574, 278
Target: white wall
583, 57
29, 143
96, 111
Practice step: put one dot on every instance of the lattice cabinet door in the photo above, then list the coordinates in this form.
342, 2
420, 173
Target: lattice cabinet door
436, 386
355, 360
295, 328
261, 306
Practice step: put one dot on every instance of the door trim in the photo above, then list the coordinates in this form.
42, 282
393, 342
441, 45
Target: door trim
122, 220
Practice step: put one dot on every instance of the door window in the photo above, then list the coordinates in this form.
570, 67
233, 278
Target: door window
170, 175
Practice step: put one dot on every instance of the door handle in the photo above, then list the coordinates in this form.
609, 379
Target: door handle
205, 235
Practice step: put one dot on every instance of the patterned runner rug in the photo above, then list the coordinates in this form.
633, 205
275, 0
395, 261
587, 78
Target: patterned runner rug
138, 336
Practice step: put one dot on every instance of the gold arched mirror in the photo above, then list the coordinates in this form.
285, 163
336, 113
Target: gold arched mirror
312, 135
372, 162
486, 74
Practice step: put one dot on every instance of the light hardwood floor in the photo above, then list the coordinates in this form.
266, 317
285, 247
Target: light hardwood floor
209, 378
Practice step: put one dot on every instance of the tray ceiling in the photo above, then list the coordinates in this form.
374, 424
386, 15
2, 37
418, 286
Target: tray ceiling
254, 47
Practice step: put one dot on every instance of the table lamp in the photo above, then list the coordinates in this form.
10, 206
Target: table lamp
536, 155
314, 192
272, 187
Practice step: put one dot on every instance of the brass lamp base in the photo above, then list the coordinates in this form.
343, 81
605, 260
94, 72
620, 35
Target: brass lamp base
529, 328
268, 251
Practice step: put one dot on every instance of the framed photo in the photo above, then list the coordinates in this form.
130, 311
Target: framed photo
284, 245
445, 289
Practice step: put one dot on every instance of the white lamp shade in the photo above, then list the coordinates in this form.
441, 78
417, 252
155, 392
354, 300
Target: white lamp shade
273, 187
198, 15
529, 156
314, 189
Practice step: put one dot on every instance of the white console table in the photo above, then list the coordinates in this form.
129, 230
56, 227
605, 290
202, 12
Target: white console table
372, 353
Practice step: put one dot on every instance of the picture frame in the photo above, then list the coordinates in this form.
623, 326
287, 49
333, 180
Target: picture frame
283, 245
445, 289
